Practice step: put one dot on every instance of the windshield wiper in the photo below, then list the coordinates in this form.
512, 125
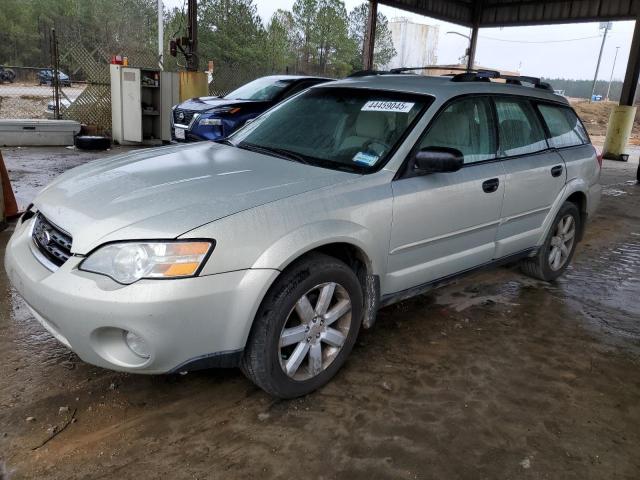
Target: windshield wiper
273, 151
225, 141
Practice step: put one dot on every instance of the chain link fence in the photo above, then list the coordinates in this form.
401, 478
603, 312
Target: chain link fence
25, 92
84, 83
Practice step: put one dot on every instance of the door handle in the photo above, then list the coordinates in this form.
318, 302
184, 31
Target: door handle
490, 186
556, 171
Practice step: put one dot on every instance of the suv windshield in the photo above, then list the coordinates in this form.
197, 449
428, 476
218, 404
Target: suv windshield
263, 89
342, 128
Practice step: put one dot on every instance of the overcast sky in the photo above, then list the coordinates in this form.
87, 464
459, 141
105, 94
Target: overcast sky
507, 48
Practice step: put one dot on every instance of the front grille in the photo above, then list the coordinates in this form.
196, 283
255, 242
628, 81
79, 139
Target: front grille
52, 242
182, 117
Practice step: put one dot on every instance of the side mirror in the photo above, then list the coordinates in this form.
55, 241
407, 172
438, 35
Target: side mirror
438, 160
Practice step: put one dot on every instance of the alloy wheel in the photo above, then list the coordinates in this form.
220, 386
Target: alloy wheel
315, 331
562, 242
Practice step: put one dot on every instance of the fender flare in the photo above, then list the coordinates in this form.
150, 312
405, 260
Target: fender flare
573, 186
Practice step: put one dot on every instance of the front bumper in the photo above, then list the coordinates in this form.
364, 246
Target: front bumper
184, 322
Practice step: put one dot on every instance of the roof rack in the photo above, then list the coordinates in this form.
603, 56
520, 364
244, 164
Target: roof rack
366, 73
488, 75
467, 75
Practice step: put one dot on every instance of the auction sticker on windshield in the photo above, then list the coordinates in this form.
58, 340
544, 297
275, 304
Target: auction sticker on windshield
179, 132
365, 158
383, 106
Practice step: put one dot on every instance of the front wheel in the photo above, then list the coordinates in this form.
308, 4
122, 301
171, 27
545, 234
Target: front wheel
555, 255
305, 328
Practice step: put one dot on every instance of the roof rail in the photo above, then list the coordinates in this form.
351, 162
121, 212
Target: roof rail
488, 75
366, 73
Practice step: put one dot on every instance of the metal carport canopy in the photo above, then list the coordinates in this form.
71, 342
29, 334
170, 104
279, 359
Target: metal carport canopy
503, 13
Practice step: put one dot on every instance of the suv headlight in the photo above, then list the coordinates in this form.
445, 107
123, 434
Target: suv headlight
128, 262
210, 122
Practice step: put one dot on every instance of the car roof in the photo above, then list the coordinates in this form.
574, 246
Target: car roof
442, 87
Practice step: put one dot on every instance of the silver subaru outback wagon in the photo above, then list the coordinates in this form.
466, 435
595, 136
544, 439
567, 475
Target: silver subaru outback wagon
270, 250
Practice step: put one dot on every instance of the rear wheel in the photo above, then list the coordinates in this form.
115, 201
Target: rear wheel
305, 328
556, 253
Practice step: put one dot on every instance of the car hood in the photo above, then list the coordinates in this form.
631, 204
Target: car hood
165, 192
204, 104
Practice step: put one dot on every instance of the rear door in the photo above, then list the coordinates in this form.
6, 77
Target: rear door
446, 223
535, 174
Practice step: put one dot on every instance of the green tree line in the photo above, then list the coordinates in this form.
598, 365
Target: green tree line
582, 88
315, 36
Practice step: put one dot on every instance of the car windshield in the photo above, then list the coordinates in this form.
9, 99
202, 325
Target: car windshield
263, 89
341, 128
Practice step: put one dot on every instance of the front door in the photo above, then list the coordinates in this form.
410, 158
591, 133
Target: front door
446, 223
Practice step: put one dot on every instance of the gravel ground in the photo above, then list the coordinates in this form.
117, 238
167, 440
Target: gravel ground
494, 377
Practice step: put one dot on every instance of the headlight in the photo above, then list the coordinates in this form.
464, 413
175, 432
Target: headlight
210, 122
129, 262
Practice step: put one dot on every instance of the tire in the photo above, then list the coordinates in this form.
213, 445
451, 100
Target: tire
541, 266
265, 360
88, 142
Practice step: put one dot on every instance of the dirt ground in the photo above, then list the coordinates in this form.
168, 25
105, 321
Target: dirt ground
494, 377
595, 116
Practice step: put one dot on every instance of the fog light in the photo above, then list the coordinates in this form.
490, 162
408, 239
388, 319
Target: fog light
137, 344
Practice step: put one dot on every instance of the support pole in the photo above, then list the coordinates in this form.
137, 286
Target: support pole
622, 117
370, 36
471, 53
160, 35
55, 79
630, 85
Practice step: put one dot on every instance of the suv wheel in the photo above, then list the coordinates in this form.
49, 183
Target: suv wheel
305, 328
556, 253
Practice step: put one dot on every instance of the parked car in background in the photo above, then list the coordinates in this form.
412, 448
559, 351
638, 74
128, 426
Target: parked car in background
270, 249
214, 118
45, 77
6, 75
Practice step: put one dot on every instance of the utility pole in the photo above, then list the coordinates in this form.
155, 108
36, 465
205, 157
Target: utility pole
611, 77
192, 34
467, 52
606, 26
188, 45
370, 36
160, 35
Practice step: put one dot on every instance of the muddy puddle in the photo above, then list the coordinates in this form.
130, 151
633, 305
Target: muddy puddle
607, 285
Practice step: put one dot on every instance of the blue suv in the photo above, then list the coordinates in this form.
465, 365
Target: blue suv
215, 118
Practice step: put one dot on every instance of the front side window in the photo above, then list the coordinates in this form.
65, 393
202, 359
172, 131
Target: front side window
519, 131
342, 128
467, 126
565, 128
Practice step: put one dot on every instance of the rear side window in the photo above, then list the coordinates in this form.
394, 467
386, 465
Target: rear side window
519, 131
565, 128
465, 125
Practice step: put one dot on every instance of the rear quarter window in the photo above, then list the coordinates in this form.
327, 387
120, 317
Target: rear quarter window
565, 129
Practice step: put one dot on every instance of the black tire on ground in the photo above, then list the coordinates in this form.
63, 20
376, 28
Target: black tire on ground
89, 142
261, 362
539, 266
